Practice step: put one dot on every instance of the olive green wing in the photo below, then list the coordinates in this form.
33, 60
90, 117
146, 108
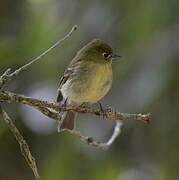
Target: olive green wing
67, 74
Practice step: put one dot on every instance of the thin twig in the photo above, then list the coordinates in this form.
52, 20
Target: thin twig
7, 77
4, 76
52, 109
23, 144
10, 97
115, 134
49, 113
92, 142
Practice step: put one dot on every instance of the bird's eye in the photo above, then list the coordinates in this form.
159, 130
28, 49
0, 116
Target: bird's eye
105, 55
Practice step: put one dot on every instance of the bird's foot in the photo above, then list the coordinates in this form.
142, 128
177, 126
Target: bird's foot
64, 104
102, 110
59, 127
83, 105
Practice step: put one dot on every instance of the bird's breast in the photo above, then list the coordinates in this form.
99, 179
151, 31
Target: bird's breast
101, 82
90, 83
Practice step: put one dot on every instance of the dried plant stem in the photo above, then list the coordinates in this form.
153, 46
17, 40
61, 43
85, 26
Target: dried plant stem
52, 110
7, 76
92, 142
23, 145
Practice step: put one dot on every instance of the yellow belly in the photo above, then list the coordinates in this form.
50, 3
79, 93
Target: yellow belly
93, 85
99, 86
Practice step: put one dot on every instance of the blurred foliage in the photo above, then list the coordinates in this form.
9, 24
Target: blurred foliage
146, 34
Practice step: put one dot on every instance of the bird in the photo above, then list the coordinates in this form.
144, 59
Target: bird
87, 79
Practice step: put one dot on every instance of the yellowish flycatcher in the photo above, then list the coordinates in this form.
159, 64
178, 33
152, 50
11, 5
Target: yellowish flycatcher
87, 79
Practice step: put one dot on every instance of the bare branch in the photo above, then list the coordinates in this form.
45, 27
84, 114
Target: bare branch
23, 144
116, 132
49, 113
53, 109
92, 142
39, 104
4, 77
7, 76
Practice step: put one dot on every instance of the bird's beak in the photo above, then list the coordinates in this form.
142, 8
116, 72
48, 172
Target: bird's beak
115, 56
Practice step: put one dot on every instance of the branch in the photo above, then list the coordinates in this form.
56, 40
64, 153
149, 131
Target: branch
4, 77
23, 144
92, 142
45, 106
52, 110
7, 76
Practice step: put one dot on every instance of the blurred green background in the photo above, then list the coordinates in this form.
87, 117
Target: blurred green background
146, 34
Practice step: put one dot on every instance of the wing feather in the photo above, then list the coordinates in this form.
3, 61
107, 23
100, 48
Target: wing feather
67, 74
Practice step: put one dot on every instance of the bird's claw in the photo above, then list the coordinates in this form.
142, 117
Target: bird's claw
102, 110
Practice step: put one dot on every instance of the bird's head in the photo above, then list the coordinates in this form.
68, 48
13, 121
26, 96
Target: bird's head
97, 51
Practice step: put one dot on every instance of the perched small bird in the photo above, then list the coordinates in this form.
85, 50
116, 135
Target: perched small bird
87, 79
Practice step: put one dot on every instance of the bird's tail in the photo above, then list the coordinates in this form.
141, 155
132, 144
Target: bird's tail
68, 120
